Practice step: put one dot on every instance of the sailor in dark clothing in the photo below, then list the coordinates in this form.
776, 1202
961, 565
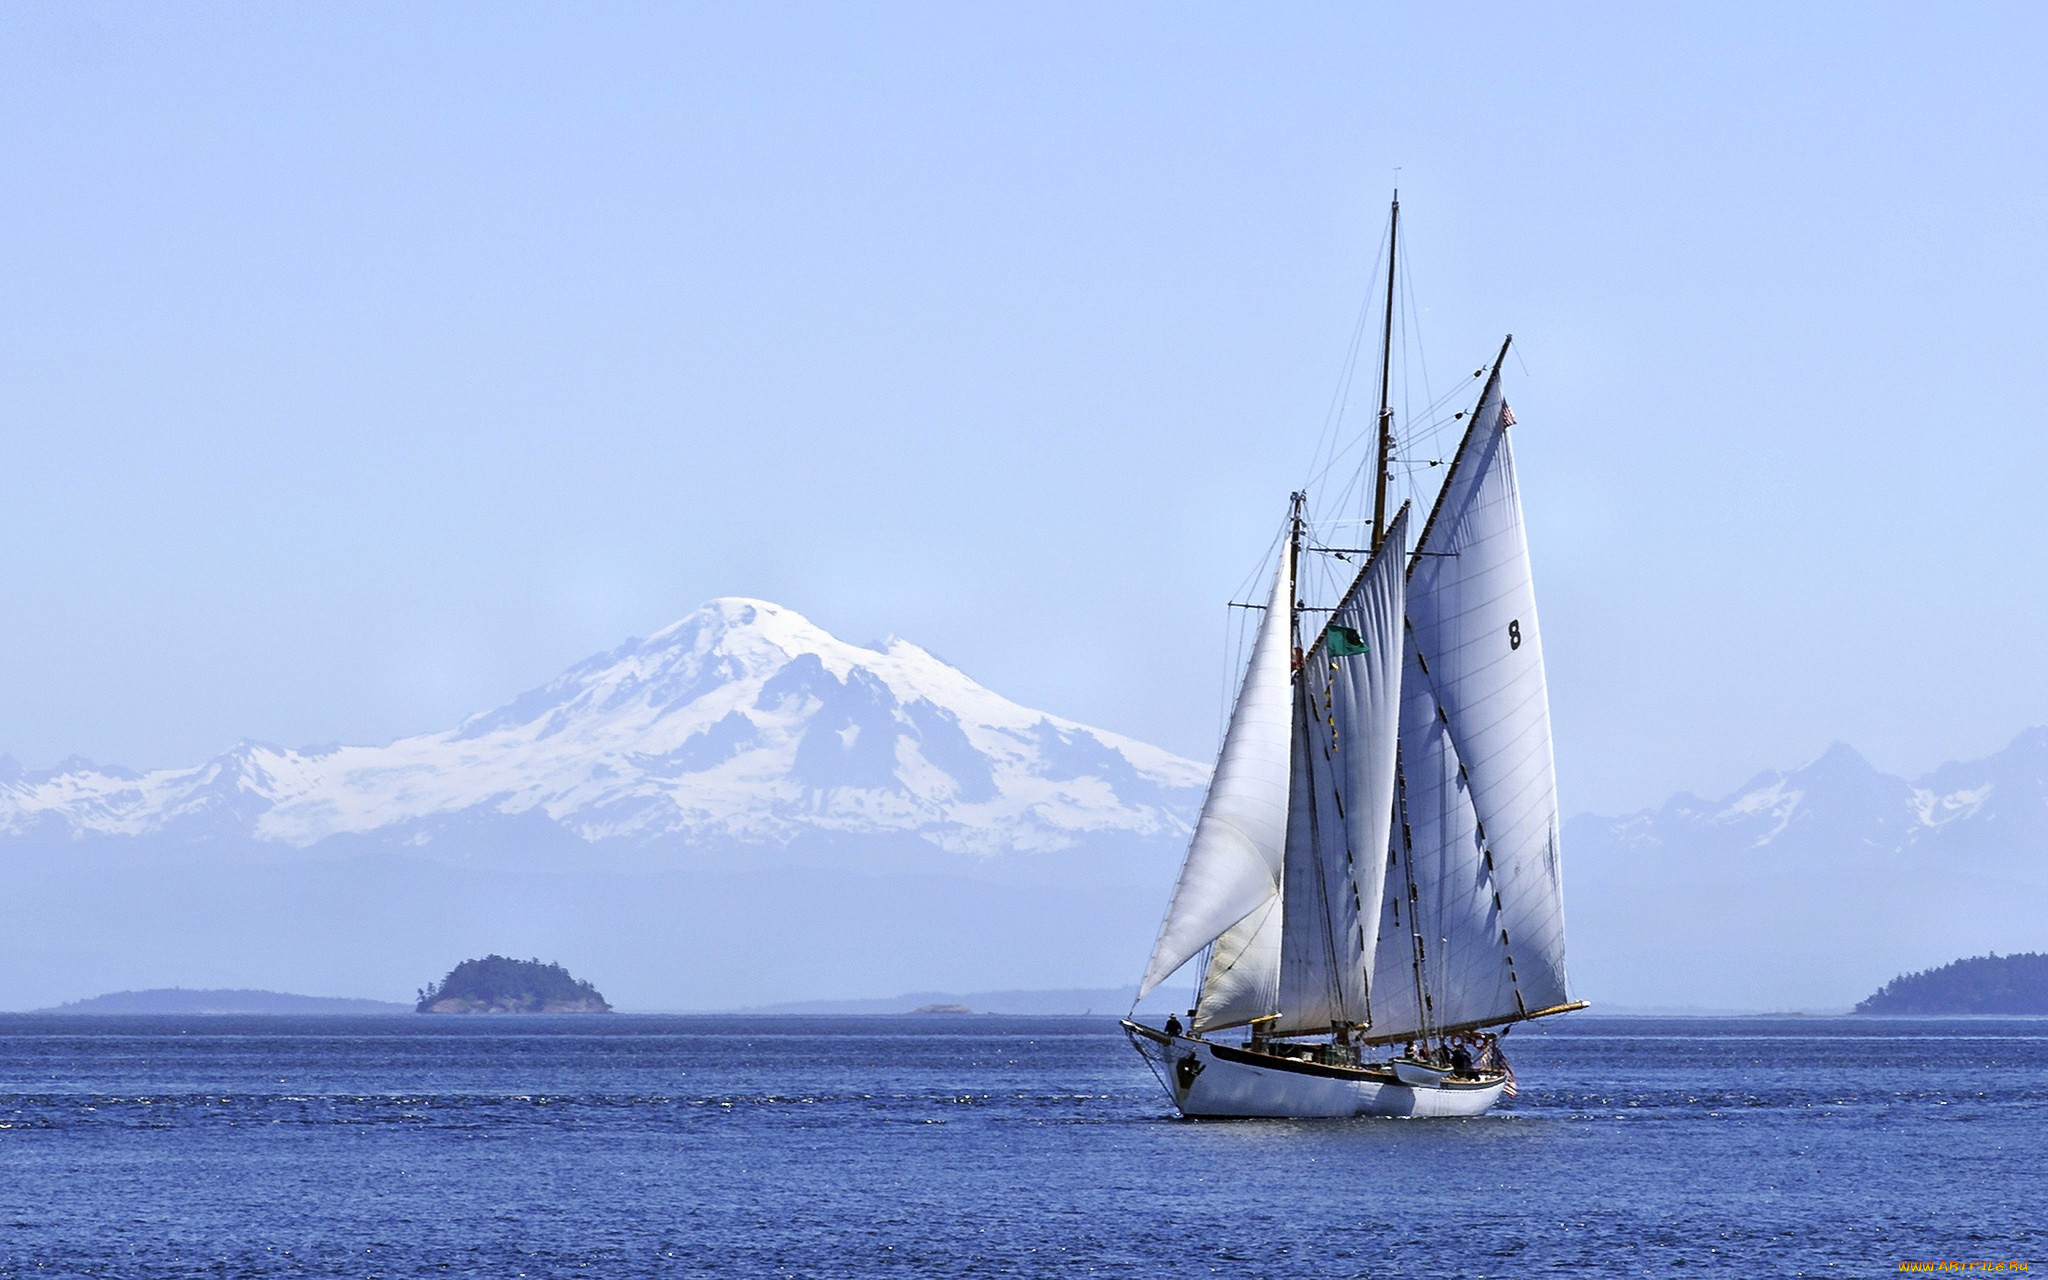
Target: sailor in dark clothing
1461, 1058
1172, 1025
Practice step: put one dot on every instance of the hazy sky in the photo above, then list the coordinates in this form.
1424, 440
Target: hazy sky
361, 366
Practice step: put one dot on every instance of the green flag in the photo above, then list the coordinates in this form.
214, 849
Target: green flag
1344, 641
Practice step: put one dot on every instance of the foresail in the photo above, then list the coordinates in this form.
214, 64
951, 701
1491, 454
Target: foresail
1347, 715
1233, 861
1479, 795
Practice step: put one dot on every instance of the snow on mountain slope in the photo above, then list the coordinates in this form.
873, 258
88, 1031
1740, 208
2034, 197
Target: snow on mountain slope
1839, 804
744, 722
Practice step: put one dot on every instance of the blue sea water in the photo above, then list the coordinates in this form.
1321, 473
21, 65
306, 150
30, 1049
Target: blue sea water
630, 1146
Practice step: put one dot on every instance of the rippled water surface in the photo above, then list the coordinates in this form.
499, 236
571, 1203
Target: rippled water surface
633, 1146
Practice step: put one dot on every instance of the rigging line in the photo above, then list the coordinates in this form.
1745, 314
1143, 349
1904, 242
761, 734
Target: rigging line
1258, 571
1428, 435
1464, 443
1233, 648
1149, 1063
1340, 399
1236, 655
1421, 354
1321, 473
1436, 406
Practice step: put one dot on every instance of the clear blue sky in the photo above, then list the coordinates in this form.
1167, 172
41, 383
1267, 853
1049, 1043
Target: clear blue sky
361, 366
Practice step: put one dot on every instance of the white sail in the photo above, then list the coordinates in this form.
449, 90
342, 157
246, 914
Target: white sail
1479, 794
1233, 862
1242, 981
1347, 715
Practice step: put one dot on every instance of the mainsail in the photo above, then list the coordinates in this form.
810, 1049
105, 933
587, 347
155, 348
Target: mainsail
1472, 927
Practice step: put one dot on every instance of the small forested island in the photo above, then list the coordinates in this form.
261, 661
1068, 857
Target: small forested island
496, 984
2011, 985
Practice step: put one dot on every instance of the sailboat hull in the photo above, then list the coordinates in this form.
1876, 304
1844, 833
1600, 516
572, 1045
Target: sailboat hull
1211, 1080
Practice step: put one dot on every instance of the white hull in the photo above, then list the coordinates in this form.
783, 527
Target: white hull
1217, 1081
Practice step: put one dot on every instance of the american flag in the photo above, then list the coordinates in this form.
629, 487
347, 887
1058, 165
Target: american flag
1508, 1089
1507, 419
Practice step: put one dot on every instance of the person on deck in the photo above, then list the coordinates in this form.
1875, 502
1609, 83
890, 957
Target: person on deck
1172, 1025
1461, 1058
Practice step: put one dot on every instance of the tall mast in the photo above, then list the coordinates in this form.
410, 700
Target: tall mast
1386, 418
1296, 502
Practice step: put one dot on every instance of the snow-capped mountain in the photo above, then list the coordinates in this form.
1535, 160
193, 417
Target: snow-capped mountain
1989, 812
744, 723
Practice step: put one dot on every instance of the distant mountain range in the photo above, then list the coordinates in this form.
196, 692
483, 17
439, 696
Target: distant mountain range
1807, 888
1992, 811
178, 1001
743, 810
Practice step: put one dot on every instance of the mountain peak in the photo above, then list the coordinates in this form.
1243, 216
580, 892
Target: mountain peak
725, 614
741, 724
2032, 742
748, 630
1839, 760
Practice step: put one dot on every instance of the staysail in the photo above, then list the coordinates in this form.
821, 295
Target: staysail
1474, 895
1242, 981
1233, 861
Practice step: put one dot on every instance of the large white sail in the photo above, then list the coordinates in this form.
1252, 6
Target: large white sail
1347, 714
1473, 883
1233, 862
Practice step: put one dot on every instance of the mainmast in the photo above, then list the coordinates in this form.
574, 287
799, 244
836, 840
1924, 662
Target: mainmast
1386, 418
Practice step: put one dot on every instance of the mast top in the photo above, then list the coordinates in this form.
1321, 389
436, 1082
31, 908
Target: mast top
1385, 420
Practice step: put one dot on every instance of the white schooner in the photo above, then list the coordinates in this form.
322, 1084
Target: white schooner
1376, 862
